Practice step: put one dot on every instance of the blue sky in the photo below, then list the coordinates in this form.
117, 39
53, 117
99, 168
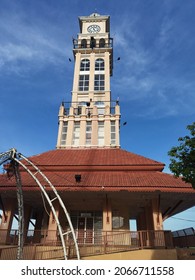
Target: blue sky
155, 78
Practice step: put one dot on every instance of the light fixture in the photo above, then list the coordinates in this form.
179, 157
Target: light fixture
78, 178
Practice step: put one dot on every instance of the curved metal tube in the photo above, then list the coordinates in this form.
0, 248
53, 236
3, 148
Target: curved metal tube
12, 154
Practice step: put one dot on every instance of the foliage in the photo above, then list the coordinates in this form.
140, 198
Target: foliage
183, 157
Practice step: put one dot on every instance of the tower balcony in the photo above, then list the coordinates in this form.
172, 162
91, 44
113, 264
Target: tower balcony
89, 109
92, 43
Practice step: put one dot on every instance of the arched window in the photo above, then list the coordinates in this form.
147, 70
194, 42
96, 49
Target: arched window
101, 107
83, 43
80, 105
93, 42
99, 64
85, 65
102, 43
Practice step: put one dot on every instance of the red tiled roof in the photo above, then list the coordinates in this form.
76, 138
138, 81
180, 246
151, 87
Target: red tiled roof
105, 169
110, 181
93, 157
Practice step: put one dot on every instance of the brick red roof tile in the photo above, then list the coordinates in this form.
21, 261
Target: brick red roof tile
113, 175
93, 157
111, 181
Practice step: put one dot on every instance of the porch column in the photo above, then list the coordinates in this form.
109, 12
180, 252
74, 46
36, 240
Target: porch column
27, 216
52, 226
107, 215
7, 218
156, 214
149, 217
141, 221
38, 224
44, 228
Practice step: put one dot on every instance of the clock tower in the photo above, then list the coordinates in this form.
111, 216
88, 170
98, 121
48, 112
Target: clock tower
91, 119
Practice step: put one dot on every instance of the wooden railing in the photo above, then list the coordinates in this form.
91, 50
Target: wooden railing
39, 246
34, 252
184, 238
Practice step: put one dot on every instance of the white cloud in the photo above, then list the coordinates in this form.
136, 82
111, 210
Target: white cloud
150, 74
11, 52
23, 44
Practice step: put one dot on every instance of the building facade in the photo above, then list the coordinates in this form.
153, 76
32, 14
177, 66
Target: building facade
91, 119
102, 186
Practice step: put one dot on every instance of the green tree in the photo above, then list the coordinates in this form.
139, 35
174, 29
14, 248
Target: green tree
183, 157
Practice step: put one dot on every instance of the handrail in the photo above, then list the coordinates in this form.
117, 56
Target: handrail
104, 243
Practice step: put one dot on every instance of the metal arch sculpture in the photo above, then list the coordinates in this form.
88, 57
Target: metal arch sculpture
15, 157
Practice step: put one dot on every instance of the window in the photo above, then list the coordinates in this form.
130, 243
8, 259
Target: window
83, 43
102, 43
100, 133
78, 111
101, 107
99, 64
76, 134
88, 132
85, 65
117, 220
99, 82
83, 82
64, 133
113, 133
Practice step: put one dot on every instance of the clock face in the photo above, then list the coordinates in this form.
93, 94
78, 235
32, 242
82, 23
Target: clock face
93, 28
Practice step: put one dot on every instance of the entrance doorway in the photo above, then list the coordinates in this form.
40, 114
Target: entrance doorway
88, 226
85, 230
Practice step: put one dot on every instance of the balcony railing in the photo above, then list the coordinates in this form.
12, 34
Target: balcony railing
86, 44
90, 108
46, 244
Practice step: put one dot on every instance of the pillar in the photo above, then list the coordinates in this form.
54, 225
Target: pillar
141, 221
149, 218
61, 121
107, 140
82, 141
38, 224
152, 235
7, 219
156, 214
94, 136
52, 226
44, 228
107, 215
